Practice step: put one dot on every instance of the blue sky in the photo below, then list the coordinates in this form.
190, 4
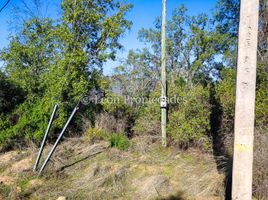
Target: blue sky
143, 14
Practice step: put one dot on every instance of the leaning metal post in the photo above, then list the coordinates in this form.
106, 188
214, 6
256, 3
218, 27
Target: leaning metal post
58, 140
45, 137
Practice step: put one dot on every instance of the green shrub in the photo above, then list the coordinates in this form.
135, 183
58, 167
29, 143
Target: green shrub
225, 94
148, 117
10, 94
112, 103
262, 97
28, 122
188, 115
119, 141
189, 120
93, 134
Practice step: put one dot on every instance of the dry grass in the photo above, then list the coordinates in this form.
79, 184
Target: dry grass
79, 170
109, 123
260, 170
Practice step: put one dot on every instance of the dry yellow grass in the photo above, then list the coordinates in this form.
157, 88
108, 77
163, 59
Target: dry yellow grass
79, 170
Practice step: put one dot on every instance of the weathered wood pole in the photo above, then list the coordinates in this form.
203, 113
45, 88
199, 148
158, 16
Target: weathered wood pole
163, 77
245, 100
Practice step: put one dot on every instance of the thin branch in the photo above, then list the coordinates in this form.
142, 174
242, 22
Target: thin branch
4, 6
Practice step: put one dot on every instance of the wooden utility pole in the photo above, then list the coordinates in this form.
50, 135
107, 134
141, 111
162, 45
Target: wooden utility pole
245, 100
163, 77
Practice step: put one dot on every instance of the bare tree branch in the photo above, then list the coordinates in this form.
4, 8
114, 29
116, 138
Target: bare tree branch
4, 6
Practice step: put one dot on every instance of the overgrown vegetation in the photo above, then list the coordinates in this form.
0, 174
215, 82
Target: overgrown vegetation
51, 62
57, 61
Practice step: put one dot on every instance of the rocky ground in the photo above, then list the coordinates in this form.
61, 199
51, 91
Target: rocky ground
80, 170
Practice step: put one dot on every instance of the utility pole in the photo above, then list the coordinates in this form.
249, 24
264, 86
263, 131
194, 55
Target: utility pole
245, 100
163, 77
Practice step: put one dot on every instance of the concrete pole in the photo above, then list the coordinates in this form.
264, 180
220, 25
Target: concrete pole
163, 77
245, 101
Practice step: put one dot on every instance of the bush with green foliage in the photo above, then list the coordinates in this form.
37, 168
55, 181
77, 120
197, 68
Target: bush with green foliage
188, 115
10, 94
94, 134
262, 96
120, 141
148, 120
117, 140
225, 94
225, 98
51, 61
189, 120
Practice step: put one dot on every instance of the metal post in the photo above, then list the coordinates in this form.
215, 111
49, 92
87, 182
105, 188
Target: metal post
245, 100
163, 77
58, 140
45, 137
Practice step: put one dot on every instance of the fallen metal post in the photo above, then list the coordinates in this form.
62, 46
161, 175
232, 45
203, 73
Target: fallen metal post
58, 140
45, 137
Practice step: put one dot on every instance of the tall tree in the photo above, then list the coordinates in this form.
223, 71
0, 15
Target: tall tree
193, 52
52, 60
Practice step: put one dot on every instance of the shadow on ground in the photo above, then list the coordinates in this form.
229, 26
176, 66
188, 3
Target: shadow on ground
222, 158
177, 196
